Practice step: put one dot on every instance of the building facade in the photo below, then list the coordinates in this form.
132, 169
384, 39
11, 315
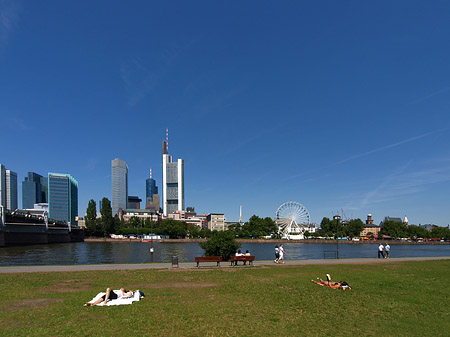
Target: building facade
134, 202
62, 197
2, 186
217, 222
11, 190
119, 173
8, 189
34, 190
173, 183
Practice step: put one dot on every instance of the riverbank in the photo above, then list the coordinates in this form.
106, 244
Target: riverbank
277, 241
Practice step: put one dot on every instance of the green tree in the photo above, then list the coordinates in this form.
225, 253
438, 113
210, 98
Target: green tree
91, 219
394, 229
221, 243
258, 227
107, 219
174, 229
417, 232
354, 227
440, 232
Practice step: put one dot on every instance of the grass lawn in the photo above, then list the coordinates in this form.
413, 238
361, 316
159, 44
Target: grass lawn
395, 299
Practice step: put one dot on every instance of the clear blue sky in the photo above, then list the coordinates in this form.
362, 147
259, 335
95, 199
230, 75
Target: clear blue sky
334, 104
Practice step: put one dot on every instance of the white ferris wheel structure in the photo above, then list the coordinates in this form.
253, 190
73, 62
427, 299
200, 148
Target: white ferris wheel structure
293, 220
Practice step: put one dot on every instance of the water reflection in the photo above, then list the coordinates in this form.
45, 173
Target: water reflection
139, 252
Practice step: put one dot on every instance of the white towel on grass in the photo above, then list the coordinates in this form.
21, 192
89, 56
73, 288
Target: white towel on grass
118, 301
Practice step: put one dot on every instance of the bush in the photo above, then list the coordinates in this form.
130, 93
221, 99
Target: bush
221, 244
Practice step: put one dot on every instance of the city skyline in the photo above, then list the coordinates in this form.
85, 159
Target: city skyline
336, 106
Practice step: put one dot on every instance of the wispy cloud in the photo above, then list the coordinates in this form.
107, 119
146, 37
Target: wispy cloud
9, 17
380, 149
402, 183
431, 95
16, 123
405, 141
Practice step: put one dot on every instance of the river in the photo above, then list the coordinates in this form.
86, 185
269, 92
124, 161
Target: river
139, 252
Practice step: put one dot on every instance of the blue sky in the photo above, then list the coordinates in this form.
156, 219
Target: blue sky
334, 104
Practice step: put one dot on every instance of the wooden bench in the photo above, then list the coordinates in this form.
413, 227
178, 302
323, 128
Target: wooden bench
245, 258
199, 259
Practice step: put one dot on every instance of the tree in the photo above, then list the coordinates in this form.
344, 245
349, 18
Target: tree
107, 223
221, 243
355, 227
91, 219
174, 229
394, 229
257, 227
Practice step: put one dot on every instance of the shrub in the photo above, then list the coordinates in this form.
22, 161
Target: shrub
221, 244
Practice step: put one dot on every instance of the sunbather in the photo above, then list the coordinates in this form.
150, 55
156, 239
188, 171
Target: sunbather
331, 284
112, 295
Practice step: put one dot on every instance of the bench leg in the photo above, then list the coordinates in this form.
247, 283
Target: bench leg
198, 264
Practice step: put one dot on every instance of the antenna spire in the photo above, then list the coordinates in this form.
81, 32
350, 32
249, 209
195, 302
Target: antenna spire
167, 139
150, 173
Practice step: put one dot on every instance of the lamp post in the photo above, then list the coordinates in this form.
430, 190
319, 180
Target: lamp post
151, 238
337, 237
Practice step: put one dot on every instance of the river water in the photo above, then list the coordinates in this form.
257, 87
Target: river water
139, 252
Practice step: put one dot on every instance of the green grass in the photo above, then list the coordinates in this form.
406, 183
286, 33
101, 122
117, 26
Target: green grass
395, 299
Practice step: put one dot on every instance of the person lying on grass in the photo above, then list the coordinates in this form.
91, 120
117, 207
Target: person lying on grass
334, 285
112, 295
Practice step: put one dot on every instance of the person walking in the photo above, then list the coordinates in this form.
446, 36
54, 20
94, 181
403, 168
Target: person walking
387, 249
282, 252
380, 251
277, 254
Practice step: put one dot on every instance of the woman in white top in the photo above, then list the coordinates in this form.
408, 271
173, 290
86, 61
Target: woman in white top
282, 252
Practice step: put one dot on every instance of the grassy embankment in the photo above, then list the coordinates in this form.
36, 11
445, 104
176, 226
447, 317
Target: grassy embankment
396, 299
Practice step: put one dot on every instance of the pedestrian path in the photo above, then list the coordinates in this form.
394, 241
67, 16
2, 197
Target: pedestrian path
193, 265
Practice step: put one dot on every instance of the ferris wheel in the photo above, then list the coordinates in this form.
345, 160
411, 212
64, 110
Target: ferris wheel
292, 218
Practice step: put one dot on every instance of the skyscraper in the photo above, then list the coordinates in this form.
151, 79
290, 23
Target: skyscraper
2, 186
62, 197
8, 188
119, 173
11, 190
150, 191
173, 181
34, 190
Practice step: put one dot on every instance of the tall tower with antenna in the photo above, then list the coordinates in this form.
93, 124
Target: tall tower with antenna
173, 180
151, 194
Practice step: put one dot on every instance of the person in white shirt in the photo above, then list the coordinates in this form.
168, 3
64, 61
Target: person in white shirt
387, 249
380, 251
282, 252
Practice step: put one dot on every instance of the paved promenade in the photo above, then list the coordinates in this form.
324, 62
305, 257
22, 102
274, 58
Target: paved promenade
193, 265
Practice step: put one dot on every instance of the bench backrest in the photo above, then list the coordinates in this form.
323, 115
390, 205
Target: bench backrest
208, 258
243, 258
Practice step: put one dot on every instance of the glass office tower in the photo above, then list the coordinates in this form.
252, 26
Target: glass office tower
34, 190
11, 190
2, 186
62, 197
119, 174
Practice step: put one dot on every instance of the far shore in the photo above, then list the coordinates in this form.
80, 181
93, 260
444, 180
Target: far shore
392, 242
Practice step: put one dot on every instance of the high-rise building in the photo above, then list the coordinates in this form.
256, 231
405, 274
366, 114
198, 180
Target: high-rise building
62, 197
11, 190
119, 173
2, 186
34, 190
173, 181
151, 190
8, 188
